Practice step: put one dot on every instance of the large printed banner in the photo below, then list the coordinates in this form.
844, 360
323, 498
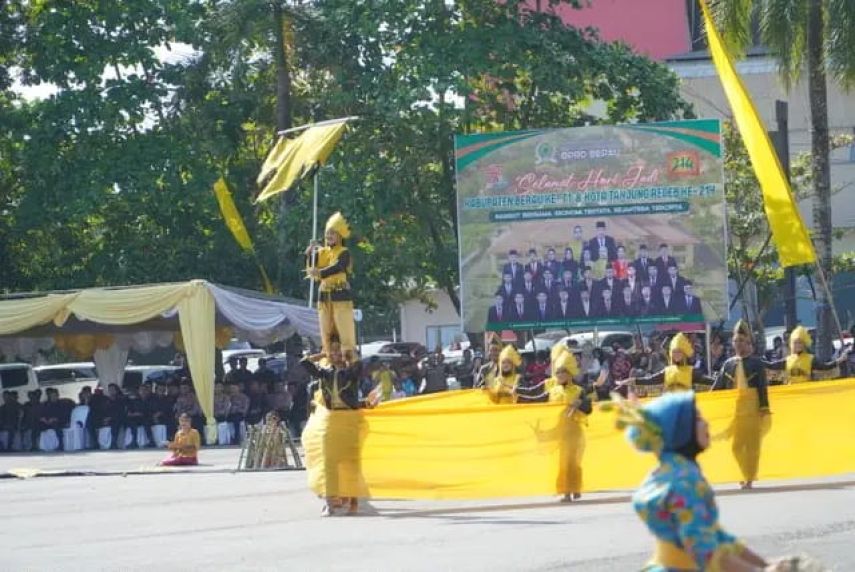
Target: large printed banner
605, 225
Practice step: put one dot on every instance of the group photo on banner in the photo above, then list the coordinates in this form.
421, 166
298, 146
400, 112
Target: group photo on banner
591, 226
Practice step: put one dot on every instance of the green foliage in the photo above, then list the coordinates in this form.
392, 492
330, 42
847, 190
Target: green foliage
109, 181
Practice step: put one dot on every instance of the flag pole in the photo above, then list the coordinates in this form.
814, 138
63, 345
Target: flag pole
314, 233
318, 124
830, 299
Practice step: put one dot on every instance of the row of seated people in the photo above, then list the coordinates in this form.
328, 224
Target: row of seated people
137, 417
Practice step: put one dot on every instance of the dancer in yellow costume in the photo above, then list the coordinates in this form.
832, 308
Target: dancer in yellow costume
799, 366
331, 265
751, 417
574, 419
502, 387
680, 375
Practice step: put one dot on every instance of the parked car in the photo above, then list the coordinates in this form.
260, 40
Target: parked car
67, 378
604, 338
18, 377
135, 375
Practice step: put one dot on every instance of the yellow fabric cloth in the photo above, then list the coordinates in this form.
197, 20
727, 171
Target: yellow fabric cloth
126, 306
477, 450
672, 557
785, 222
187, 444
291, 160
799, 367
678, 378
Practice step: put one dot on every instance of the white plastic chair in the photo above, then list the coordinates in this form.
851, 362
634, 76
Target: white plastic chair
48, 441
224, 433
142, 438
74, 437
126, 437
105, 438
158, 433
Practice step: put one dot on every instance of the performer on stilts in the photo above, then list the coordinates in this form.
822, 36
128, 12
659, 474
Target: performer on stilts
751, 417
502, 387
680, 375
563, 388
332, 266
675, 501
799, 366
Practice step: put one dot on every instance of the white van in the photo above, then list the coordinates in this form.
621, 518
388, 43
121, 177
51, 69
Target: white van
18, 377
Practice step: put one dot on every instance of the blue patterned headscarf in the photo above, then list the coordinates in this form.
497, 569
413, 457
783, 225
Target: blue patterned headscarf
665, 424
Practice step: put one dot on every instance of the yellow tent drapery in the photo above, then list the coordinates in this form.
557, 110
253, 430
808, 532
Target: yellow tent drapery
126, 306
458, 445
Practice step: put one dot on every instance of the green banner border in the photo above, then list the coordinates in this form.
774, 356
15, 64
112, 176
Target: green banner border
598, 322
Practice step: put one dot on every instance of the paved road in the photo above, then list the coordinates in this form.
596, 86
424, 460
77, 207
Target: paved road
266, 521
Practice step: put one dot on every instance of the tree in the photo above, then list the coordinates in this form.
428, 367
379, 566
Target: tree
818, 34
750, 255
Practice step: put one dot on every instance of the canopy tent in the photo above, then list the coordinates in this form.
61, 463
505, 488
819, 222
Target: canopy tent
108, 322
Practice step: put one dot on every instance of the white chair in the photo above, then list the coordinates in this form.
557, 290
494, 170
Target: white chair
158, 433
74, 437
26, 442
224, 433
48, 441
5, 440
142, 437
126, 437
105, 438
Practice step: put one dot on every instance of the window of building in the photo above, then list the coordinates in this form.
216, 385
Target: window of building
698, 34
441, 336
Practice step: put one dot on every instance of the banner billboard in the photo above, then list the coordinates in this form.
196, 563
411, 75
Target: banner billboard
592, 226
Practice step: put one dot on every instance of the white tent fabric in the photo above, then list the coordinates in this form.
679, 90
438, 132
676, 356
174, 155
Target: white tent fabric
260, 317
110, 364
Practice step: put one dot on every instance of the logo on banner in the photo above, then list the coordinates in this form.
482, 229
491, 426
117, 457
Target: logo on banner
684, 164
544, 153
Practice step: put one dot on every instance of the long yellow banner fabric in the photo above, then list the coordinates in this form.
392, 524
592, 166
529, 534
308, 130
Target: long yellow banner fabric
785, 221
458, 445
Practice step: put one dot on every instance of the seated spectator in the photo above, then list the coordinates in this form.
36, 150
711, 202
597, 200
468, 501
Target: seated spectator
11, 413
52, 415
239, 407
185, 446
264, 375
30, 420
243, 375
532, 387
138, 413
222, 403
299, 412
434, 375
257, 404
187, 403
408, 383
112, 413
279, 400
232, 375
162, 409
385, 380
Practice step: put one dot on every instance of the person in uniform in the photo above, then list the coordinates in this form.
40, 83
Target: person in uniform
798, 367
502, 387
332, 265
751, 417
675, 501
680, 375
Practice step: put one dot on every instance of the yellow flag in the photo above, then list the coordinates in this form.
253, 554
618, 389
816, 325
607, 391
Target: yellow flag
788, 229
231, 214
235, 224
291, 160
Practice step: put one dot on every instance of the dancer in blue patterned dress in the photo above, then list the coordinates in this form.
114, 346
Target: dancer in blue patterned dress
675, 501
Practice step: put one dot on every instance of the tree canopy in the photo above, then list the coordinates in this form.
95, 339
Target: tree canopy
108, 181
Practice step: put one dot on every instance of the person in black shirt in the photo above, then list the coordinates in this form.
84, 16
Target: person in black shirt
10, 417
31, 413
52, 415
139, 413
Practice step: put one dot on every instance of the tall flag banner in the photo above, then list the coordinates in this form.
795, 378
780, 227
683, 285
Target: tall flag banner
292, 159
234, 222
788, 229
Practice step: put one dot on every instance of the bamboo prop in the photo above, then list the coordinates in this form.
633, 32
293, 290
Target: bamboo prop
314, 257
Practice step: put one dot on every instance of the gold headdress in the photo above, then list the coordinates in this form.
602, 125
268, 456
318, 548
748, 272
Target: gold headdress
643, 433
566, 361
742, 329
556, 352
800, 334
511, 354
338, 224
681, 342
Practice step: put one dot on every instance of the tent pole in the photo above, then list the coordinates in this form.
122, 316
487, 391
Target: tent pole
314, 234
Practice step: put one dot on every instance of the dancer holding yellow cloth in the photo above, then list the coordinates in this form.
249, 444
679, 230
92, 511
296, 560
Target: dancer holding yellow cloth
502, 387
799, 366
679, 375
574, 419
751, 417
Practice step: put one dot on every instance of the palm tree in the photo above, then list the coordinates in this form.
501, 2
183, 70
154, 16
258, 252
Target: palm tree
821, 34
